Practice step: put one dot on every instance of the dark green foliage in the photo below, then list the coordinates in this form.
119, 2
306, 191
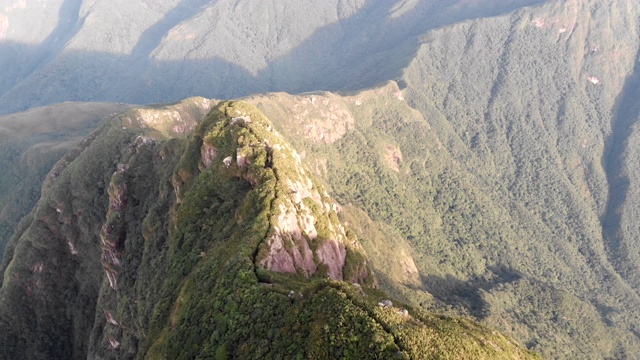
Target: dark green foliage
526, 107
30, 144
500, 186
503, 189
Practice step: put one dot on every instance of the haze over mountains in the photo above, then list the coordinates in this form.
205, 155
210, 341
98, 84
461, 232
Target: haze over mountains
160, 51
482, 153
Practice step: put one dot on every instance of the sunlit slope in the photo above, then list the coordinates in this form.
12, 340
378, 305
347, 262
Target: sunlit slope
496, 178
539, 108
451, 238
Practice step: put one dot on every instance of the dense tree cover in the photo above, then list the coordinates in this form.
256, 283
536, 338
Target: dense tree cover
30, 144
139, 248
498, 183
477, 250
147, 51
515, 186
540, 111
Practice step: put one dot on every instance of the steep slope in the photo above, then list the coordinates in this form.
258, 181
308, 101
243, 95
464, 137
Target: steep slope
537, 107
449, 238
496, 181
161, 238
51, 268
30, 144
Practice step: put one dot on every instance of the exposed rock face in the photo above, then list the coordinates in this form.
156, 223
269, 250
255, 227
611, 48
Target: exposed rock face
117, 197
110, 236
109, 318
79, 238
174, 120
112, 260
393, 157
305, 234
297, 254
208, 153
295, 225
332, 254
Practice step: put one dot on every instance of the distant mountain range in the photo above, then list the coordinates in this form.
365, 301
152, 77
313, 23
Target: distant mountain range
166, 50
397, 179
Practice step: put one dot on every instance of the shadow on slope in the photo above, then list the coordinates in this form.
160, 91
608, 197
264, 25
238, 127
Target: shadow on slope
30, 144
373, 46
361, 51
618, 163
152, 37
467, 295
33, 57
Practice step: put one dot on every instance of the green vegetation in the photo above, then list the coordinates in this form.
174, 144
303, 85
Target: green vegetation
500, 180
219, 49
494, 182
532, 115
221, 310
157, 252
30, 144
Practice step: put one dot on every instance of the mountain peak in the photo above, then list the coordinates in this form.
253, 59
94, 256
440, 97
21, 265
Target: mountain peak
304, 235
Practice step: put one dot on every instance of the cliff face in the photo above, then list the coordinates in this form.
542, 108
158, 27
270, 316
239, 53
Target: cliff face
497, 178
72, 242
166, 236
30, 144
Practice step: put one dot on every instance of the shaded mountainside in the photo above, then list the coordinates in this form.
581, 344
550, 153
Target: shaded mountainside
30, 144
144, 51
162, 237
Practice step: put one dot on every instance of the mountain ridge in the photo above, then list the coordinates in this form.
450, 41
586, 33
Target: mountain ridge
176, 261
492, 179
